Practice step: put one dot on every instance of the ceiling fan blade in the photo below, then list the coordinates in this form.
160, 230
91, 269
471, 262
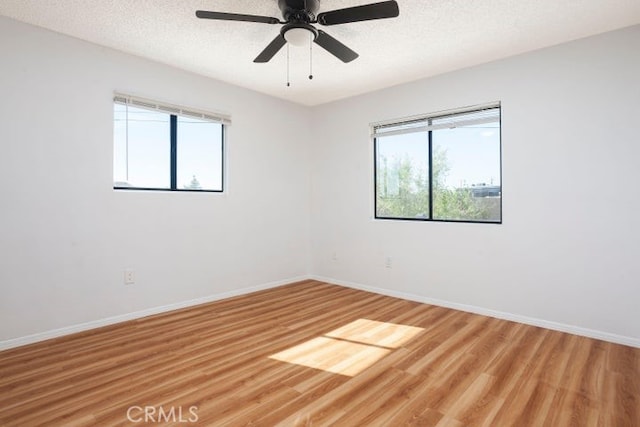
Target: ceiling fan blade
367, 12
334, 47
236, 17
273, 48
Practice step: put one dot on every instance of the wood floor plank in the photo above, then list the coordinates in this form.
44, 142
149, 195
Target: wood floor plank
361, 359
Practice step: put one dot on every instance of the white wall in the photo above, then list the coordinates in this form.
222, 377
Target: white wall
66, 236
567, 252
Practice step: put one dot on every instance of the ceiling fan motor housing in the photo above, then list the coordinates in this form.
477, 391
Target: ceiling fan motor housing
299, 10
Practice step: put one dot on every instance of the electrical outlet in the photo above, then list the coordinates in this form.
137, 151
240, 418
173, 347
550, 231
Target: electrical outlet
388, 262
129, 276
334, 256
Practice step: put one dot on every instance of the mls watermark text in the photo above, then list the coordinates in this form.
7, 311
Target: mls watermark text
162, 414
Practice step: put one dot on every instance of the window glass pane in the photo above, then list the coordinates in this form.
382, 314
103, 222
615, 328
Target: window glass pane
199, 154
466, 173
402, 176
142, 148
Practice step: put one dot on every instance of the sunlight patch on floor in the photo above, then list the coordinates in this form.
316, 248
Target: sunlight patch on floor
351, 348
381, 334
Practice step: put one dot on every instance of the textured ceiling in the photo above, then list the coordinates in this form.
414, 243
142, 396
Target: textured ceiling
430, 37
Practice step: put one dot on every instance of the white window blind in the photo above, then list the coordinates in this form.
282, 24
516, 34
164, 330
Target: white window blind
476, 116
177, 110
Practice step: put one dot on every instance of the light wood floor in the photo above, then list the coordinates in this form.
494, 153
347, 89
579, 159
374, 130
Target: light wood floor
317, 354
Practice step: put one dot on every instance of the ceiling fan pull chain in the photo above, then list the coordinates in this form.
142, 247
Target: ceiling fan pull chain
310, 56
288, 80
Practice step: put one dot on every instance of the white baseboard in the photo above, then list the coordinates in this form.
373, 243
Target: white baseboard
562, 327
30, 339
576, 330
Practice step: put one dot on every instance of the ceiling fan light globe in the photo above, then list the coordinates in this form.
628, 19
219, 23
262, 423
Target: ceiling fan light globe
298, 36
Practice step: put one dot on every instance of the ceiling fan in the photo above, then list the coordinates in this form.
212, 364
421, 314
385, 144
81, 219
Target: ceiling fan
297, 29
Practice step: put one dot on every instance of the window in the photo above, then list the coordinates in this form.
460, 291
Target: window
166, 147
442, 167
